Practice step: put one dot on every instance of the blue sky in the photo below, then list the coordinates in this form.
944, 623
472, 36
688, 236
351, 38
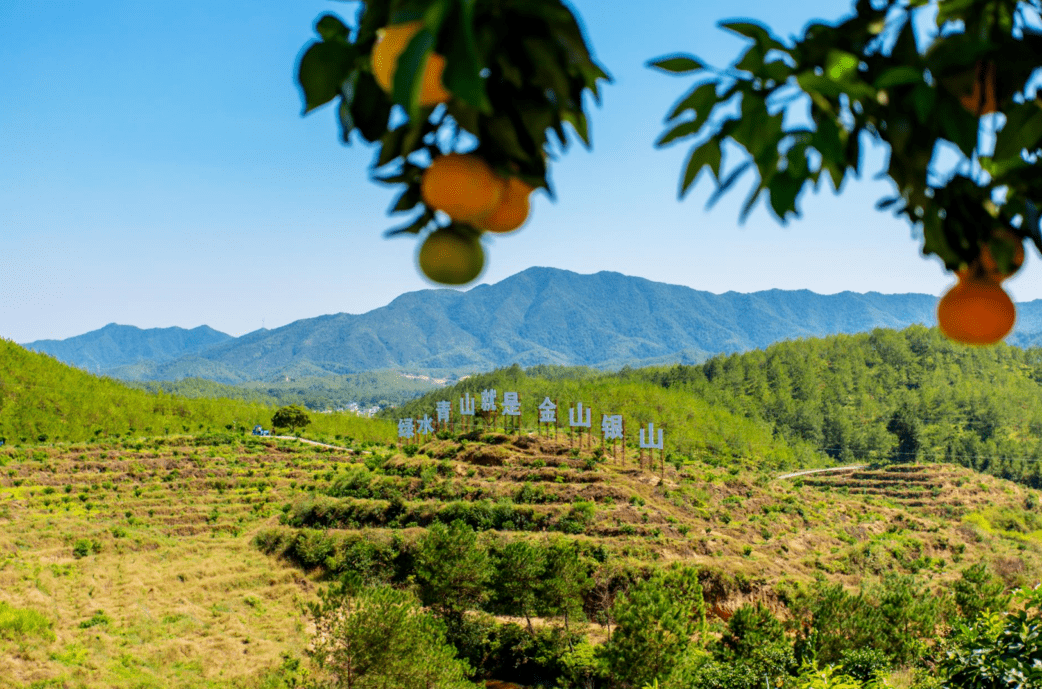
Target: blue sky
155, 171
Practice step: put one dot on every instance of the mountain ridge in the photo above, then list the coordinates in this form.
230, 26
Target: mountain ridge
542, 315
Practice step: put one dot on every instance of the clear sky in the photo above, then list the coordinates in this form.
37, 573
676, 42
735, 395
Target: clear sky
155, 171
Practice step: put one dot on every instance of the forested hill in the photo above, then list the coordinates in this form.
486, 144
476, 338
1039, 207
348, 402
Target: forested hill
43, 400
885, 396
881, 397
696, 427
121, 345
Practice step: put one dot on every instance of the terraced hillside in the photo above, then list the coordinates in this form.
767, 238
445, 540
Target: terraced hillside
184, 562
745, 530
138, 556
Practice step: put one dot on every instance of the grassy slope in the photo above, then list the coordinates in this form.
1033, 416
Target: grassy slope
190, 603
43, 400
181, 584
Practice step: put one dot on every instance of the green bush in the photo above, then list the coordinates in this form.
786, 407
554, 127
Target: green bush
21, 622
998, 650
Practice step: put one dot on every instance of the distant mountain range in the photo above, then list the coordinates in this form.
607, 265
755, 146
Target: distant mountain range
102, 350
539, 316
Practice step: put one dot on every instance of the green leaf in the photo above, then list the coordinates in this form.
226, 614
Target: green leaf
408, 76
883, 204
408, 199
323, 68
578, 121
347, 97
777, 70
677, 64
752, 60
701, 100
722, 188
415, 227
784, 190
958, 125
548, 67
756, 32
708, 154
391, 145
923, 99
896, 76
463, 69
682, 130
821, 86
330, 28
370, 108
1022, 130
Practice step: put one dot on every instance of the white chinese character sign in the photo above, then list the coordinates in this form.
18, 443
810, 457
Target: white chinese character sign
444, 411
649, 443
548, 414
511, 410
425, 426
406, 429
613, 428
580, 422
466, 408
576, 420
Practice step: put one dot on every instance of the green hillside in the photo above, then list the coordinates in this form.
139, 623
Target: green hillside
181, 560
43, 400
696, 428
885, 396
880, 397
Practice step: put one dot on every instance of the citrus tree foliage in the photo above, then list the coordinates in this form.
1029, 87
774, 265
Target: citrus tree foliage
292, 417
655, 622
376, 637
999, 650
517, 71
960, 88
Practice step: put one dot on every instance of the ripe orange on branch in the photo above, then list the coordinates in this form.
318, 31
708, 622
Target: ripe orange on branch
462, 186
390, 45
976, 311
451, 257
513, 208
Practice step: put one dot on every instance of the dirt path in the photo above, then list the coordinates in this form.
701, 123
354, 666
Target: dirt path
313, 442
853, 467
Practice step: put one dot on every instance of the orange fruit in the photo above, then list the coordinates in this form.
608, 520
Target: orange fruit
981, 99
391, 42
512, 211
462, 185
976, 311
451, 257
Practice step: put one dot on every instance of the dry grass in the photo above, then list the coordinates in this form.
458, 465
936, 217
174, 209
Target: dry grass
183, 601
164, 536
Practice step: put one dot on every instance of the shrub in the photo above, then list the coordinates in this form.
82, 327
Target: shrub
23, 622
99, 617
